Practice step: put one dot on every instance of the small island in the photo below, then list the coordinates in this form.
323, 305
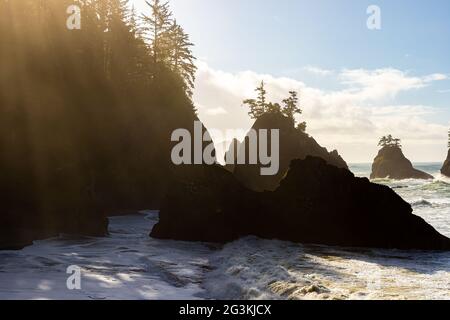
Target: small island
294, 143
391, 162
446, 167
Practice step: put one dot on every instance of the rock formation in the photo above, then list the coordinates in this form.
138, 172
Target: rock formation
316, 203
294, 144
59, 203
82, 133
392, 163
120, 174
446, 167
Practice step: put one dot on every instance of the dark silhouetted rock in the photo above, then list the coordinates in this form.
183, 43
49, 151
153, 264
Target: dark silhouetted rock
392, 163
38, 204
294, 144
446, 167
54, 207
316, 203
82, 134
201, 206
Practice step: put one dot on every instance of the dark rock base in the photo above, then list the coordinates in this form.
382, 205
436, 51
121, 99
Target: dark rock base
316, 203
446, 167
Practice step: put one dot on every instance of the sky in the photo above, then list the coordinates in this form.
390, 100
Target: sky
355, 84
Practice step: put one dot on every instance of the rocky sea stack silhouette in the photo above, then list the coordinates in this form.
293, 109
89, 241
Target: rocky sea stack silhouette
392, 163
314, 199
446, 167
294, 144
316, 203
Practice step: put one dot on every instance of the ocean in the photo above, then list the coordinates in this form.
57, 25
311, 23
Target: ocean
130, 265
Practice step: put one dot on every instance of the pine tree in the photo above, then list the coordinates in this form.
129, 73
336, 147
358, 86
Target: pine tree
157, 25
382, 142
291, 106
273, 107
262, 100
254, 112
259, 105
118, 39
119, 10
133, 23
138, 52
397, 143
390, 141
102, 11
181, 58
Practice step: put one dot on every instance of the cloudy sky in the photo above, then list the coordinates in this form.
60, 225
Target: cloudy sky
355, 84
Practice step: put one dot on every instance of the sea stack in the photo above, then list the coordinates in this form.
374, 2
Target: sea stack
446, 167
294, 144
316, 203
391, 163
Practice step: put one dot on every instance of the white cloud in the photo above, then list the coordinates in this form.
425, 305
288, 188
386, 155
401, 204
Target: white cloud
216, 111
435, 77
351, 119
383, 83
318, 71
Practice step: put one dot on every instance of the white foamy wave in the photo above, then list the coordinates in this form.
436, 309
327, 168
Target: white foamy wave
261, 269
440, 177
125, 265
130, 265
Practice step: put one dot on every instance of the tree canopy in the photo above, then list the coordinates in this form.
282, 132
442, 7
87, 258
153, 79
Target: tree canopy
448, 138
169, 43
260, 105
390, 141
90, 109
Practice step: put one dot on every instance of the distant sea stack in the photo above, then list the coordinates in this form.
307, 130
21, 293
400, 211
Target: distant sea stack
446, 167
294, 144
316, 203
392, 163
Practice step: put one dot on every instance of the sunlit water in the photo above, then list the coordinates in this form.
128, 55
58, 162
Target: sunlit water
130, 265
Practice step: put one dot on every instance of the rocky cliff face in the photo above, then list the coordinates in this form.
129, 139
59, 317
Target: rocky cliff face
294, 144
446, 167
392, 163
60, 201
125, 172
82, 134
316, 203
